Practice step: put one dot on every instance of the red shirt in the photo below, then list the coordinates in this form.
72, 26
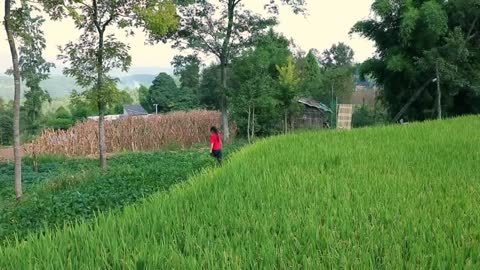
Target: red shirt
216, 140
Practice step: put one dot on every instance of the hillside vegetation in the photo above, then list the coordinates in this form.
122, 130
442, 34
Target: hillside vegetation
384, 198
64, 191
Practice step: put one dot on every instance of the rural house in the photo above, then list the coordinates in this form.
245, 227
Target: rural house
315, 114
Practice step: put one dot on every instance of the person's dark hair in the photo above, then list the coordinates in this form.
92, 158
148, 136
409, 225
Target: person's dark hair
215, 130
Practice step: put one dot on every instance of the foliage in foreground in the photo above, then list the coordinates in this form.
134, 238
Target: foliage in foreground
69, 190
390, 197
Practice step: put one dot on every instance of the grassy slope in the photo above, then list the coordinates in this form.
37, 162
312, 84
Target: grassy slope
392, 197
68, 190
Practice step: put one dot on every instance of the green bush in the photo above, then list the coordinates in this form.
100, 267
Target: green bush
365, 116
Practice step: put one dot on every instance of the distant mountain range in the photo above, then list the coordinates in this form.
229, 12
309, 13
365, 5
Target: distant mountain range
60, 86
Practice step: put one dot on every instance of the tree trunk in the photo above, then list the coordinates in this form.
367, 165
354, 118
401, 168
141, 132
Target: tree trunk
224, 58
101, 137
412, 99
101, 105
253, 124
439, 94
16, 117
286, 121
224, 103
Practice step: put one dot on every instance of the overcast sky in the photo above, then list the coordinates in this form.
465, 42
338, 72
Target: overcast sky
328, 22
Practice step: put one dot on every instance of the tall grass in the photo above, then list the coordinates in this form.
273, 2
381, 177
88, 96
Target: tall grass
383, 198
130, 134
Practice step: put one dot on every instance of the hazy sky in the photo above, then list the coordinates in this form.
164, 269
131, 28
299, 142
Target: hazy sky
328, 22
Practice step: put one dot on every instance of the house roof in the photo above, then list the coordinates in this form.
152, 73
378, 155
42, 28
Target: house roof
134, 110
310, 102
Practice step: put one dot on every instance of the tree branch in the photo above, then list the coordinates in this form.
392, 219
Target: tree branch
412, 99
472, 27
95, 16
104, 26
236, 3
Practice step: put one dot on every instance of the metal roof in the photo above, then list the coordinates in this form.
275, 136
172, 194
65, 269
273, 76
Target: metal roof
134, 110
310, 102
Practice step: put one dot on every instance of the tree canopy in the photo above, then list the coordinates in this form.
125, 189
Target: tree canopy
420, 43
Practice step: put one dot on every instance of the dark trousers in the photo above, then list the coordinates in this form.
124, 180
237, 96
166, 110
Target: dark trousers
217, 154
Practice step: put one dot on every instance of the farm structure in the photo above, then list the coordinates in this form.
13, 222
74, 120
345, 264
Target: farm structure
315, 114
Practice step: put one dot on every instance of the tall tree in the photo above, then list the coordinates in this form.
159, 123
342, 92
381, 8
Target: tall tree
165, 93
254, 75
20, 25
97, 53
9, 29
209, 91
338, 75
188, 68
338, 55
224, 29
427, 57
308, 69
288, 88
34, 68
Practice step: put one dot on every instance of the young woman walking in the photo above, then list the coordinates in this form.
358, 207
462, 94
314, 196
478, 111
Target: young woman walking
216, 144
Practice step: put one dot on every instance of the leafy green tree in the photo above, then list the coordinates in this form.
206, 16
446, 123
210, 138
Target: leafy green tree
365, 116
96, 53
188, 68
254, 77
338, 55
121, 99
288, 89
10, 29
6, 122
224, 29
339, 72
209, 91
62, 119
144, 99
33, 67
168, 97
163, 92
253, 85
427, 57
80, 108
308, 69
22, 26
83, 105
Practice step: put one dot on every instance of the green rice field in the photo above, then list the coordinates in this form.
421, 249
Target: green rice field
399, 197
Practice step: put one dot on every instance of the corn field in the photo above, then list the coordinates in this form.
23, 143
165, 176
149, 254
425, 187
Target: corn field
153, 132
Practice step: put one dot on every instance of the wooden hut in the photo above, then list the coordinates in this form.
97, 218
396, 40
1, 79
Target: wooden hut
315, 114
